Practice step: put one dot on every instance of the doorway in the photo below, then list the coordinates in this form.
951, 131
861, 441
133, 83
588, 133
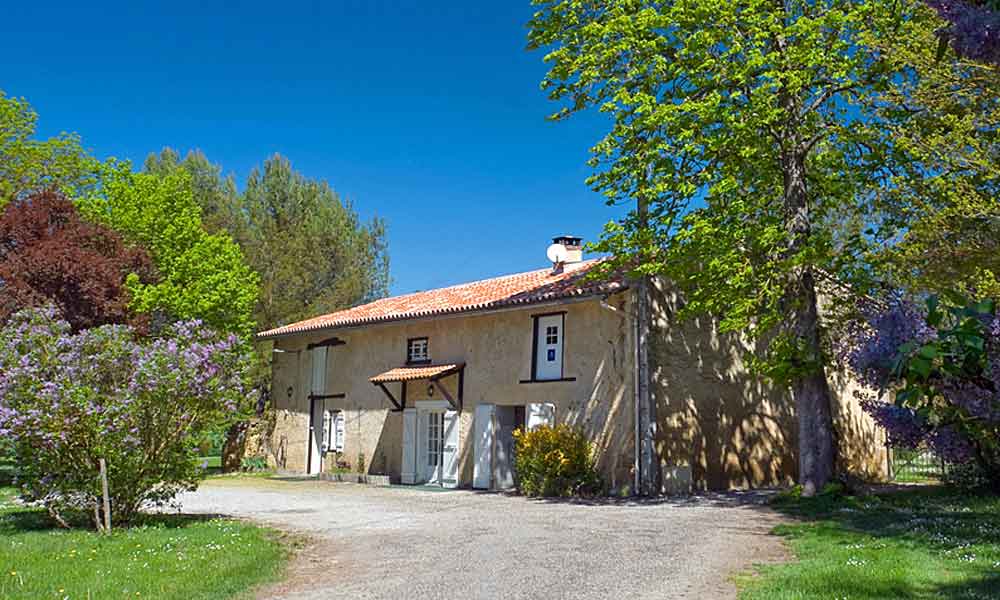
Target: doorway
316, 436
508, 419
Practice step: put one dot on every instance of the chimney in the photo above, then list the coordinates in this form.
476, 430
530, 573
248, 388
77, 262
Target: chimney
573, 245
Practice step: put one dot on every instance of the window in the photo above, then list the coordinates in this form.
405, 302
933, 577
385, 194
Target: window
547, 362
333, 431
416, 351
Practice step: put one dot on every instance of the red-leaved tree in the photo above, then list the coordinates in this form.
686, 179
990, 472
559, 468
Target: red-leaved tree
50, 255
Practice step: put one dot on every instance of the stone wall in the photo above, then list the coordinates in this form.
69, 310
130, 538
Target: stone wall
497, 351
731, 428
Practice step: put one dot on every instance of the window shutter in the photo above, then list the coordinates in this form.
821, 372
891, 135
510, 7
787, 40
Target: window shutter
327, 430
483, 467
409, 474
319, 370
449, 475
540, 414
339, 431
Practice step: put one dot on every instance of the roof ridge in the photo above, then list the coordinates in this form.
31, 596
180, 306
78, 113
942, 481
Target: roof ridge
466, 283
414, 305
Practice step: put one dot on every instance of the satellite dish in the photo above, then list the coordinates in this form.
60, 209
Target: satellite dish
557, 253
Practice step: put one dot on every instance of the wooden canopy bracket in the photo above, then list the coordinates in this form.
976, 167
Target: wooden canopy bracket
399, 405
457, 405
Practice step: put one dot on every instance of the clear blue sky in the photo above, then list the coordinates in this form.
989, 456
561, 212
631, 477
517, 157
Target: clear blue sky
427, 114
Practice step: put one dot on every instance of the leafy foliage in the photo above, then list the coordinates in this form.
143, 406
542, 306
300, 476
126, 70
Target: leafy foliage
313, 253
28, 165
50, 256
202, 276
554, 461
942, 367
68, 400
768, 145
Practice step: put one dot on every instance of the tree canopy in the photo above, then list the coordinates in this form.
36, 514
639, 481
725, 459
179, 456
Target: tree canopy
767, 144
311, 249
29, 165
202, 275
50, 256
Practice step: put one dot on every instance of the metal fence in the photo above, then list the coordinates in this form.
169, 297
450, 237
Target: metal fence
915, 466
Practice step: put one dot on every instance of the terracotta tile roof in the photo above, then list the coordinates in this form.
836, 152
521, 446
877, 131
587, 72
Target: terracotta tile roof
533, 287
411, 373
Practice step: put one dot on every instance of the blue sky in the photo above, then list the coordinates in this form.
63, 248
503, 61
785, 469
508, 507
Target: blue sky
427, 114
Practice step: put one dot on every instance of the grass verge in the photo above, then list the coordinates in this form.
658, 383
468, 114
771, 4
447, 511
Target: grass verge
927, 543
164, 557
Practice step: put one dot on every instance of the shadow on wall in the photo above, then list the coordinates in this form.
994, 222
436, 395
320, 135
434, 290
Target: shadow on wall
387, 456
733, 429
862, 444
606, 414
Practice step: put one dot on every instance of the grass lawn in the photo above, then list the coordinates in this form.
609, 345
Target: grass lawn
925, 543
166, 557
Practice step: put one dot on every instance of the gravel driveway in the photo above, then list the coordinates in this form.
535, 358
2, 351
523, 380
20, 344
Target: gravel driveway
415, 543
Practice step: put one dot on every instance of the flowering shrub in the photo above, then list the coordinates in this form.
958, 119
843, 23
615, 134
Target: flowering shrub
942, 368
554, 461
68, 400
973, 27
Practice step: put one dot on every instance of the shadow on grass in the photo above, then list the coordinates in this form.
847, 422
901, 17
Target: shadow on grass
29, 519
944, 543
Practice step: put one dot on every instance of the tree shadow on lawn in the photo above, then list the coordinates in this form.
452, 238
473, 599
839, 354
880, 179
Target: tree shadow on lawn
931, 526
27, 519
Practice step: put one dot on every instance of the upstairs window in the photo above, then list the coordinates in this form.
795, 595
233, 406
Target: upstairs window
417, 351
547, 362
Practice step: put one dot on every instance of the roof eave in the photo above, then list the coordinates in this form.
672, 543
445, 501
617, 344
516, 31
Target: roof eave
496, 308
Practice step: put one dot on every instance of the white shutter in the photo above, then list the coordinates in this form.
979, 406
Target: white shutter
319, 370
327, 430
338, 431
449, 477
483, 428
409, 474
540, 414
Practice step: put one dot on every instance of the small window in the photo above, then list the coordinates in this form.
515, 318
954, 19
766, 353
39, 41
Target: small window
333, 427
416, 351
552, 335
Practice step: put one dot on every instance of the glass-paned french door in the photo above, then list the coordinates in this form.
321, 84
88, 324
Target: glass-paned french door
435, 442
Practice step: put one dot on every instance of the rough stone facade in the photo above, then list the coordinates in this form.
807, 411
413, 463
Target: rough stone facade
717, 424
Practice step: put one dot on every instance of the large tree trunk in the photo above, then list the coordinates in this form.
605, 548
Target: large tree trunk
809, 387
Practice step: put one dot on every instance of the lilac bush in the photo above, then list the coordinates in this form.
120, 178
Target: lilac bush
68, 400
973, 27
937, 376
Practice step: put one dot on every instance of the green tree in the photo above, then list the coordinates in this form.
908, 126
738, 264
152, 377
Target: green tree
750, 133
313, 253
215, 194
29, 165
202, 275
311, 250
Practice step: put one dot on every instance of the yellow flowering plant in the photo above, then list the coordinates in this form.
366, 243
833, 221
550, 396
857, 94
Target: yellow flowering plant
554, 461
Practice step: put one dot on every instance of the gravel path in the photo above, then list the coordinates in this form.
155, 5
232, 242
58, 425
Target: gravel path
400, 542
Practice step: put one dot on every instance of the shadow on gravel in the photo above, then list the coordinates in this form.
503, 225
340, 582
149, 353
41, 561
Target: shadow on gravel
751, 498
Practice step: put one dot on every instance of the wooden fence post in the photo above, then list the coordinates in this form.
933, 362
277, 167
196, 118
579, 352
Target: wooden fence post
104, 491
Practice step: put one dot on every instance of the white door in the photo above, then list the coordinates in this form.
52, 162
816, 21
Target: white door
410, 455
318, 388
433, 455
549, 348
483, 428
449, 465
